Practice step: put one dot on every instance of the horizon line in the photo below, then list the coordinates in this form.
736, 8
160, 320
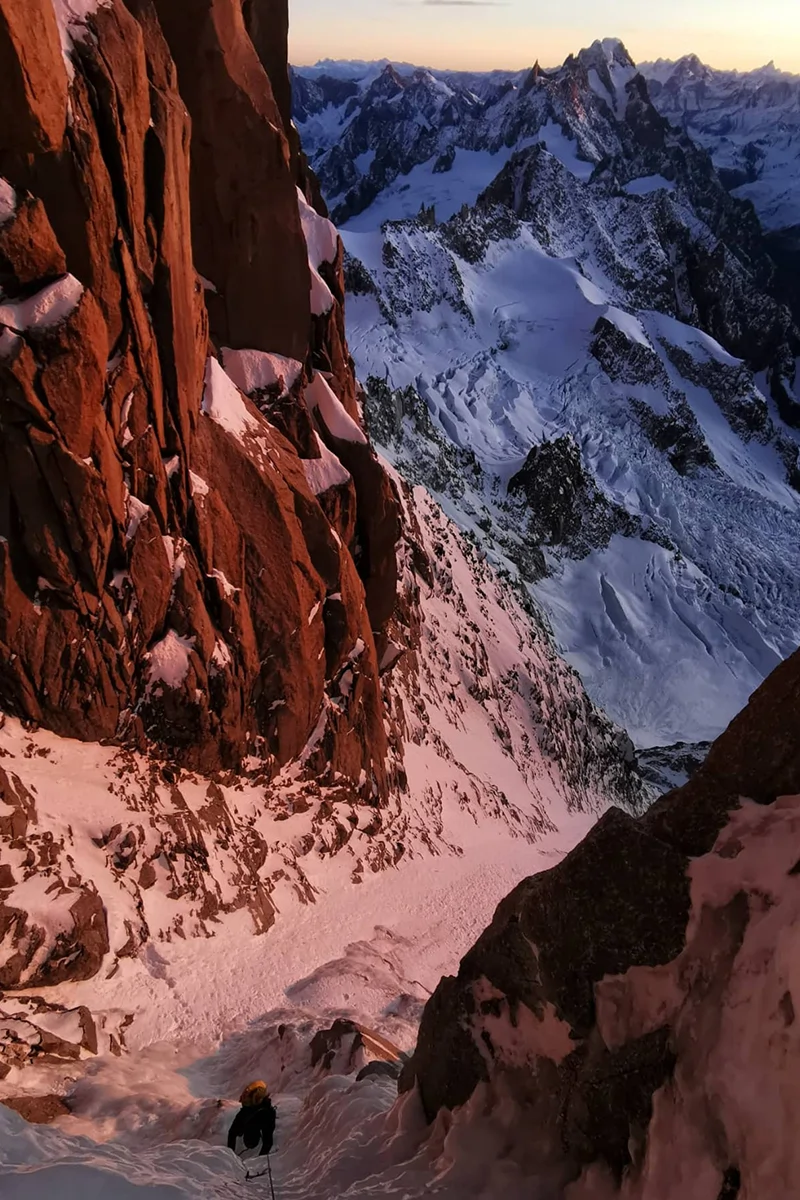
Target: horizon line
402, 62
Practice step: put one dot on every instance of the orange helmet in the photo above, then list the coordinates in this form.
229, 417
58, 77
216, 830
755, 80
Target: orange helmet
255, 1093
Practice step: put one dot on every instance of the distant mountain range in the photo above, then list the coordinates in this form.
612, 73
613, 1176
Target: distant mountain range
572, 327
748, 121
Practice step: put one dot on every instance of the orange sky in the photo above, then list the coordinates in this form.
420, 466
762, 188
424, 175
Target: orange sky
479, 34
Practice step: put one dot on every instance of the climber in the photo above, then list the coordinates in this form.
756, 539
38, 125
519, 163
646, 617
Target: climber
255, 1120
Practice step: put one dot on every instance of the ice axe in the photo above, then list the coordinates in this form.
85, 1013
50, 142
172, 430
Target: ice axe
259, 1174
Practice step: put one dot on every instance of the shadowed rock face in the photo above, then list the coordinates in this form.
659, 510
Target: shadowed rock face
167, 573
600, 997
245, 224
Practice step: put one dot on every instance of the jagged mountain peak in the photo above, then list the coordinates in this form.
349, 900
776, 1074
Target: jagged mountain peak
689, 65
388, 84
610, 51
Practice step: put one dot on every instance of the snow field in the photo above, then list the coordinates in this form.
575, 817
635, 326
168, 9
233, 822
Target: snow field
670, 635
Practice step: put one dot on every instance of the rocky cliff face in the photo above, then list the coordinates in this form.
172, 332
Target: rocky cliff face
196, 541
612, 1011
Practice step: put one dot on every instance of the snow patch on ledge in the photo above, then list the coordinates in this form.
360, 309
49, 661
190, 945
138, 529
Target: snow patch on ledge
221, 657
198, 485
321, 294
256, 370
324, 472
8, 201
223, 402
71, 16
227, 588
46, 309
169, 660
137, 511
322, 241
321, 236
320, 398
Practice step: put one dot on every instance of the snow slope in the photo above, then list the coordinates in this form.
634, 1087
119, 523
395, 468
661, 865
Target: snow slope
505, 766
153, 1124
130, 886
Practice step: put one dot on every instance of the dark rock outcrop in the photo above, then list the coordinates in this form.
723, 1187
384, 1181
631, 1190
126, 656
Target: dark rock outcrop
562, 503
378, 1069
166, 570
34, 1032
246, 233
38, 1110
601, 983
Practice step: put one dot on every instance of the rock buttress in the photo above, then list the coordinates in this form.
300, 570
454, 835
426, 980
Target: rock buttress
177, 560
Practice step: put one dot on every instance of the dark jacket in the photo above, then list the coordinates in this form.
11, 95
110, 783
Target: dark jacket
253, 1125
